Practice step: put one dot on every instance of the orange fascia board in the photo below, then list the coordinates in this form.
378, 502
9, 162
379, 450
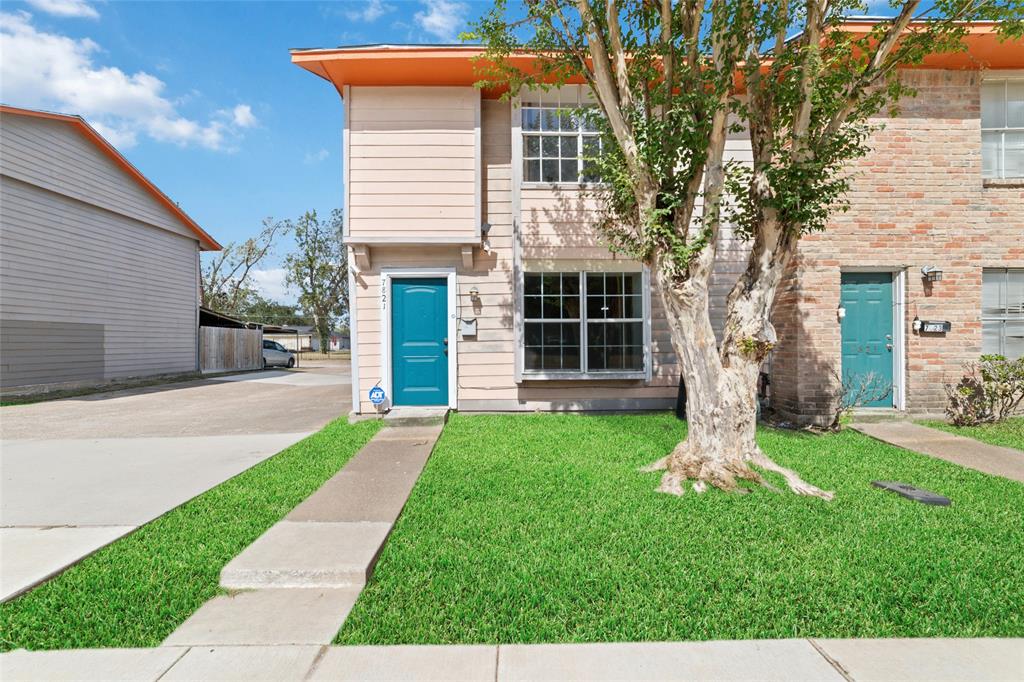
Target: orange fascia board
400, 65
985, 50
454, 65
206, 242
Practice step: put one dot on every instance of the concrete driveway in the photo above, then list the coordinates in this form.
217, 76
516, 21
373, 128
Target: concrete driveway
77, 474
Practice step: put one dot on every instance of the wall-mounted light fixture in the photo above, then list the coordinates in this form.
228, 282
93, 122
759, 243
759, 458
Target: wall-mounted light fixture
474, 294
485, 229
930, 273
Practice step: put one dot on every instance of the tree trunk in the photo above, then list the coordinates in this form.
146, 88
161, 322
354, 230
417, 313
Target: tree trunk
323, 332
721, 406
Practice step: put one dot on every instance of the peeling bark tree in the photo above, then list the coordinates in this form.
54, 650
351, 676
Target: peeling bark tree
672, 79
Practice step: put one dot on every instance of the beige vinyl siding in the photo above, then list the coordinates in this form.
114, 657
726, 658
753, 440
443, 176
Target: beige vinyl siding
558, 225
53, 155
557, 233
412, 161
88, 294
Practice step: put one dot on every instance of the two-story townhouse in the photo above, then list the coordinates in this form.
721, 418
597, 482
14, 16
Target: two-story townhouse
479, 282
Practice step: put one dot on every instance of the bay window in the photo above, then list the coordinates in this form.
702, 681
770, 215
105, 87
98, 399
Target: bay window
1002, 128
584, 323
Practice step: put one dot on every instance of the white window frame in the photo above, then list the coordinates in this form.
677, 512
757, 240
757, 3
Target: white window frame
1005, 79
386, 275
643, 374
1003, 317
529, 100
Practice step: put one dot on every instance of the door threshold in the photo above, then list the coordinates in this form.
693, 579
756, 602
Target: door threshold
416, 415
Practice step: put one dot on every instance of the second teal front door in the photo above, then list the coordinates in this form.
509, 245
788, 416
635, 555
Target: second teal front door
867, 328
419, 341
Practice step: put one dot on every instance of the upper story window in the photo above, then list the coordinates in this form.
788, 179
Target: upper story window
560, 140
1002, 312
1002, 128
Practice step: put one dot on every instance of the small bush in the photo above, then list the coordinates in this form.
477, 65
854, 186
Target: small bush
991, 390
851, 391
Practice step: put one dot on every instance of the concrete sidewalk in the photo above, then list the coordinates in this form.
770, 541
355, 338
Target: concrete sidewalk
863, 660
77, 474
966, 452
300, 579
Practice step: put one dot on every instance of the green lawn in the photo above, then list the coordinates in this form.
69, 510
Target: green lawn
538, 528
135, 592
1009, 434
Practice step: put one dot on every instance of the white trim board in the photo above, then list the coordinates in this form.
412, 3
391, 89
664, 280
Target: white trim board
353, 330
386, 275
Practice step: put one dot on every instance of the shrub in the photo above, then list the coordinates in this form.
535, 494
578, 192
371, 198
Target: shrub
851, 391
991, 390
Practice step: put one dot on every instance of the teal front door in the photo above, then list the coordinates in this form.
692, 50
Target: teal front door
867, 328
419, 341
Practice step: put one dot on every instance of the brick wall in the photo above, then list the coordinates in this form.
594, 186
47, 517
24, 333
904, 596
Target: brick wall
918, 199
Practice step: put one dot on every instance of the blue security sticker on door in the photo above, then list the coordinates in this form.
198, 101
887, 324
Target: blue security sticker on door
377, 396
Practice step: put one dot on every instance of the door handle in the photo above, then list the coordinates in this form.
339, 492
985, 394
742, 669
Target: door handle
446, 340
888, 346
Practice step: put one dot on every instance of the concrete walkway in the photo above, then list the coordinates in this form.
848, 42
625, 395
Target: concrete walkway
863, 660
966, 452
82, 472
300, 579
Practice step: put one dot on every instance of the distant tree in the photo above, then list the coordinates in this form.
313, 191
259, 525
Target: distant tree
226, 277
319, 269
264, 310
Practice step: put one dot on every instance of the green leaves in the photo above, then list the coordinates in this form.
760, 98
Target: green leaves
319, 270
802, 84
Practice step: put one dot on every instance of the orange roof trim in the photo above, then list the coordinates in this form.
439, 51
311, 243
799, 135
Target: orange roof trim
206, 242
453, 64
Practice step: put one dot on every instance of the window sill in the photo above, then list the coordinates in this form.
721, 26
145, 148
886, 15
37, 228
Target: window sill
1002, 182
590, 376
563, 185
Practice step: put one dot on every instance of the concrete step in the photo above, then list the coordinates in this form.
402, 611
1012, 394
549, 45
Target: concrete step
416, 416
267, 617
308, 555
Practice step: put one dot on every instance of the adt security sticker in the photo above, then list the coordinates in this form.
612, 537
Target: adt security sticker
377, 395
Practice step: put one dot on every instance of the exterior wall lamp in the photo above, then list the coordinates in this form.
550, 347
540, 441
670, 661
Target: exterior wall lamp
474, 295
485, 229
930, 273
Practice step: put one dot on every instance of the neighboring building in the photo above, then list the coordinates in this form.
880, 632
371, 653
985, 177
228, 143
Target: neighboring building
478, 282
99, 270
292, 337
304, 337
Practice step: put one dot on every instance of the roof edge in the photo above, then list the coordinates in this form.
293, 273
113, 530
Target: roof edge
206, 242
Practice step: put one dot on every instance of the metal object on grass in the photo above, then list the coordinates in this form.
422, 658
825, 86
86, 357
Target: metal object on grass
911, 493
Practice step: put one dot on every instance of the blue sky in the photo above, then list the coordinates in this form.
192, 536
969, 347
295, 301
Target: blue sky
202, 97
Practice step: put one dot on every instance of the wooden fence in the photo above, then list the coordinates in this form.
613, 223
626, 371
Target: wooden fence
222, 349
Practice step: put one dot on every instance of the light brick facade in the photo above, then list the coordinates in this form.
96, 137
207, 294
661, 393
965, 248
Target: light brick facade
918, 199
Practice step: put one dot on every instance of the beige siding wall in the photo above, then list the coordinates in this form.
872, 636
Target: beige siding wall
87, 294
412, 161
556, 235
53, 155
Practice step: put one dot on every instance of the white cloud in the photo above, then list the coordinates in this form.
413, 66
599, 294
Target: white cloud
66, 8
53, 71
316, 157
243, 117
442, 19
371, 11
271, 283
